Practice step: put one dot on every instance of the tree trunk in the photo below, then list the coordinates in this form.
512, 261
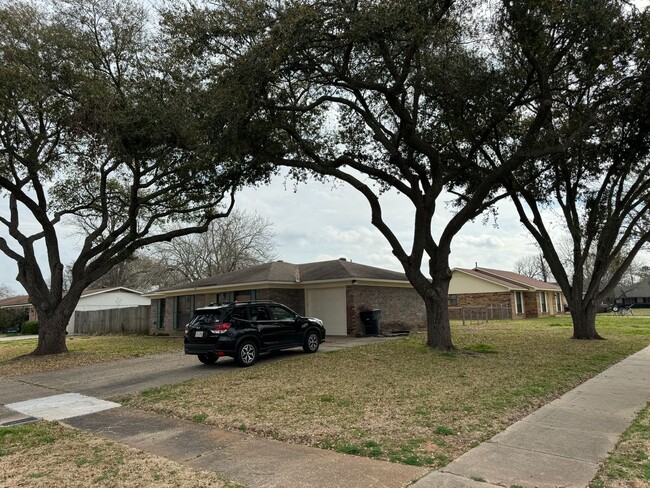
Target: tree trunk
436, 303
583, 316
51, 332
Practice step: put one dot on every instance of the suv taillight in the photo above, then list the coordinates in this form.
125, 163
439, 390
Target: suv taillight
219, 328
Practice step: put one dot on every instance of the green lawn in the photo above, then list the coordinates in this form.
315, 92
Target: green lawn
399, 400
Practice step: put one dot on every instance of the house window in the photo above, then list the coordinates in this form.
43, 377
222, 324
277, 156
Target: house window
244, 296
558, 303
542, 302
183, 308
453, 299
519, 302
236, 296
160, 314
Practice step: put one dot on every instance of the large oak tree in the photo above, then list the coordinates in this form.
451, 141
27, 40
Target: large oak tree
413, 96
95, 123
597, 192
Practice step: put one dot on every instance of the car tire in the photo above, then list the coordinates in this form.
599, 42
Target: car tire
208, 358
312, 342
247, 353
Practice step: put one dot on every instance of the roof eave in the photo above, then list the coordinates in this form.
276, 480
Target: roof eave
270, 284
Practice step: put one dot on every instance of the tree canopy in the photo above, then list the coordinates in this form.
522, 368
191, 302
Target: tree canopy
437, 100
97, 123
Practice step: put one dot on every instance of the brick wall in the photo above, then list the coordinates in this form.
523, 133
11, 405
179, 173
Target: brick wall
531, 303
294, 299
479, 300
401, 308
484, 299
531, 307
169, 316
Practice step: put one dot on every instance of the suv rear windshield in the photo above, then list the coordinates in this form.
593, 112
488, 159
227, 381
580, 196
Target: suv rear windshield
207, 317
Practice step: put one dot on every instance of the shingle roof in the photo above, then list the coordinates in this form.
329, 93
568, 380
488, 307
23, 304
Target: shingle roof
510, 279
283, 272
98, 291
24, 299
341, 269
15, 301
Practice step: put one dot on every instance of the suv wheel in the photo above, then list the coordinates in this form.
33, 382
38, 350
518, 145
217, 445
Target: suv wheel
208, 358
247, 353
312, 341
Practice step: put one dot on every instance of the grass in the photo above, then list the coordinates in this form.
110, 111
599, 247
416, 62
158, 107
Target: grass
47, 454
399, 400
82, 350
628, 464
637, 312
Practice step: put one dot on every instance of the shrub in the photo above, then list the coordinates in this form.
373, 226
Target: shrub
29, 327
10, 318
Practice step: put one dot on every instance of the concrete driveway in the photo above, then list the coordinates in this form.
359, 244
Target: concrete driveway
103, 380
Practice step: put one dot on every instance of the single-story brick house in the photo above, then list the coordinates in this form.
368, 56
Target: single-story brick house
525, 297
334, 291
97, 299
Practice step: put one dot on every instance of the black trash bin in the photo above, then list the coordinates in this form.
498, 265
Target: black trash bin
370, 319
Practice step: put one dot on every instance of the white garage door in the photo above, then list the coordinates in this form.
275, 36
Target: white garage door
328, 304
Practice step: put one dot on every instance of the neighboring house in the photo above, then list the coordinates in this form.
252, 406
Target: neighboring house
99, 299
334, 291
20, 303
108, 298
483, 287
633, 295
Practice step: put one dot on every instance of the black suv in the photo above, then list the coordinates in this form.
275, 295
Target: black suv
243, 330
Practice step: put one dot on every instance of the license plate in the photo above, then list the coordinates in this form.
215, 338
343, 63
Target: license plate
198, 333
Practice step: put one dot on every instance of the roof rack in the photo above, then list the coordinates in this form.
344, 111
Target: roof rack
225, 304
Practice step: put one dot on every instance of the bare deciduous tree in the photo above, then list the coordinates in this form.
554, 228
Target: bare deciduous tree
533, 266
241, 240
6, 291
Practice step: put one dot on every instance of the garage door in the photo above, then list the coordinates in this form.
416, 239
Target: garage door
328, 304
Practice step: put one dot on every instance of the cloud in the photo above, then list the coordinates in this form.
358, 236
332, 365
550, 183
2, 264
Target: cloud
484, 241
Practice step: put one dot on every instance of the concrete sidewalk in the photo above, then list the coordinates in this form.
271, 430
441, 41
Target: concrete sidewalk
561, 444
243, 458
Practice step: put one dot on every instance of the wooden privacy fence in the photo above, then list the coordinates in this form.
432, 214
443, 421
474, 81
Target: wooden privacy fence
128, 320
